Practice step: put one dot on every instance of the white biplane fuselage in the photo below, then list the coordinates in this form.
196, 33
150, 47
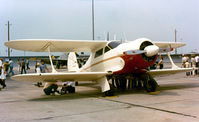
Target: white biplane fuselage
122, 58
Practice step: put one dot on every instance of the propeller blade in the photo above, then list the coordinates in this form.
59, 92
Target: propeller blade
134, 52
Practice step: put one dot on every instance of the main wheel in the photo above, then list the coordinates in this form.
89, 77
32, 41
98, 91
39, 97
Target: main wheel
109, 93
150, 85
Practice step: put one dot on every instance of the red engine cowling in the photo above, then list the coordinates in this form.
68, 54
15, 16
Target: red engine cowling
137, 62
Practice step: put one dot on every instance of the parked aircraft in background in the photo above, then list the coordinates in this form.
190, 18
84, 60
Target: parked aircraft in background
121, 65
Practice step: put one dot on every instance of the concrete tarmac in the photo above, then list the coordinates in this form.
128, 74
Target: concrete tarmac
178, 101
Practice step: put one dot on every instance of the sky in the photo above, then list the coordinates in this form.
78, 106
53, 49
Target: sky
71, 19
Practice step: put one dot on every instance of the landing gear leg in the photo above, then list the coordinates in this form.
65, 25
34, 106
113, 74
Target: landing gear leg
109, 92
150, 84
112, 86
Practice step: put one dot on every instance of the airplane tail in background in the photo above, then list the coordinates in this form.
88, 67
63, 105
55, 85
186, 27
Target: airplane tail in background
72, 62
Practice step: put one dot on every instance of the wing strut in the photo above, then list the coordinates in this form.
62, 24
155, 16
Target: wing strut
172, 63
51, 62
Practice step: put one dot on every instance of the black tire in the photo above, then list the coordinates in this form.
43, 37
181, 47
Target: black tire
51, 89
109, 93
150, 85
70, 89
63, 91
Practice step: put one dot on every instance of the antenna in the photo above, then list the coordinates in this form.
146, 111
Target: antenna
8, 37
124, 37
107, 38
93, 27
175, 40
114, 37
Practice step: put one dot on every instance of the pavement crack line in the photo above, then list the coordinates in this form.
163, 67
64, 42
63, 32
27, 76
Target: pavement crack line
152, 108
172, 101
82, 113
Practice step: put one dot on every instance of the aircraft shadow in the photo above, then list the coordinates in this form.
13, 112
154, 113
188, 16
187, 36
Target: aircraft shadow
164, 90
71, 96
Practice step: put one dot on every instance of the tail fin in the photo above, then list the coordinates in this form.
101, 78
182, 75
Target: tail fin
72, 62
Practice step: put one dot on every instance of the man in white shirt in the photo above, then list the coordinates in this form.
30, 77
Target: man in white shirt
197, 61
1, 63
197, 64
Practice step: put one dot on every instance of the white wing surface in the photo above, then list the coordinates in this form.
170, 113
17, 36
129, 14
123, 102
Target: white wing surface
169, 44
41, 45
52, 77
160, 72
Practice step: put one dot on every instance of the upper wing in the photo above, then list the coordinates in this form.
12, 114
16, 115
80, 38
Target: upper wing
169, 44
41, 45
159, 72
52, 77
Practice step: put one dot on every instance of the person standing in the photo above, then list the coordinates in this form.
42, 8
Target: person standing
19, 65
187, 66
1, 64
38, 69
3, 76
23, 66
197, 61
27, 65
11, 64
197, 64
160, 63
43, 67
184, 59
193, 64
6, 67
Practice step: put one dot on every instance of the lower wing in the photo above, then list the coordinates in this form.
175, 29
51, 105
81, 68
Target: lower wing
159, 72
60, 76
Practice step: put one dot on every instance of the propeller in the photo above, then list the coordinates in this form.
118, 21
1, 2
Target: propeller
149, 51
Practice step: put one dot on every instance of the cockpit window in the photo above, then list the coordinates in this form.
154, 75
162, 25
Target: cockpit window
99, 53
114, 44
106, 49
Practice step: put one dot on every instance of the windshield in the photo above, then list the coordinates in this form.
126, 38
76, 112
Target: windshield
114, 44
